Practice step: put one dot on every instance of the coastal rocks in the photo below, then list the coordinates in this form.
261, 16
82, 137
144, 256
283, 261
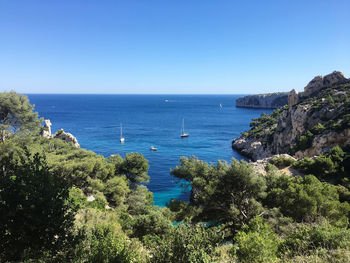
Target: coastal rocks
46, 132
251, 148
281, 132
266, 101
319, 82
293, 97
66, 136
60, 134
314, 85
325, 142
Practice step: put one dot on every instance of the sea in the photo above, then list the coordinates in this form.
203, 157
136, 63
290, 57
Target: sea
212, 122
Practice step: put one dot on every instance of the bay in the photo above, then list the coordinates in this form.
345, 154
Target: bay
151, 120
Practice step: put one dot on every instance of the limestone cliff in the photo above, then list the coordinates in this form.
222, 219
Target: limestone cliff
66, 136
265, 101
314, 121
60, 134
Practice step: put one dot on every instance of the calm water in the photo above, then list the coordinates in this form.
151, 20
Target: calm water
151, 120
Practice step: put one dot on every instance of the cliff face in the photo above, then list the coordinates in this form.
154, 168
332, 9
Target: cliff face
314, 122
266, 101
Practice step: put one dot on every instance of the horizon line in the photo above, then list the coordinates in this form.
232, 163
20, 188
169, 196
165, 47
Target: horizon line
139, 94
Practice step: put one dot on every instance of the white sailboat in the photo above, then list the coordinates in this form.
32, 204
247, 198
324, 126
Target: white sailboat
152, 148
183, 133
122, 139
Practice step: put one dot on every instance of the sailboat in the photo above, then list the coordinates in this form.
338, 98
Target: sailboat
122, 139
183, 133
153, 148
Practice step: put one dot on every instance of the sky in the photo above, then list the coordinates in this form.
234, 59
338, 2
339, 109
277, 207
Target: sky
170, 46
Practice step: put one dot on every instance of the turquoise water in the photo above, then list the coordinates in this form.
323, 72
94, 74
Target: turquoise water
151, 120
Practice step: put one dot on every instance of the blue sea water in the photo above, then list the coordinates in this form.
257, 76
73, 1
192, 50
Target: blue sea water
151, 120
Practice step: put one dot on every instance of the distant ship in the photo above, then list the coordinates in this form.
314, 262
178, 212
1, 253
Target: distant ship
122, 139
220, 105
183, 133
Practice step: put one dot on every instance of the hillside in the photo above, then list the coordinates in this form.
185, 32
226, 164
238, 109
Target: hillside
311, 124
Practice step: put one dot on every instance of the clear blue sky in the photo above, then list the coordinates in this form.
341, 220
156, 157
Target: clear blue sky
170, 46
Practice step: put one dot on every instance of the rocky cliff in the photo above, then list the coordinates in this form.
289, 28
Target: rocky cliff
265, 101
66, 136
314, 121
60, 134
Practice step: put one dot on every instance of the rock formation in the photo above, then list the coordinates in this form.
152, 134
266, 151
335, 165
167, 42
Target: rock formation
293, 97
314, 122
319, 82
46, 132
265, 101
66, 136
60, 134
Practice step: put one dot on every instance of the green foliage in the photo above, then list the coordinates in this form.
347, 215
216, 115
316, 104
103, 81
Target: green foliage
184, 244
135, 167
139, 201
282, 161
116, 190
317, 129
184, 211
36, 214
303, 239
256, 242
305, 199
105, 244
151, 223
227, 194
324, 166
16, 115
264, 125
305, 142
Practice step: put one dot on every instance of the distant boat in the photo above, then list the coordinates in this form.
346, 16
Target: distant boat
122, 139
220, 105
183, 133
153, 148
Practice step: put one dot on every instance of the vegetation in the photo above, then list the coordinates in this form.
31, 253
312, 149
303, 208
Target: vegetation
59, 203
282, 161
16, 115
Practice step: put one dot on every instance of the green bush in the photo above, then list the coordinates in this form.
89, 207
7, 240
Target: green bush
305, 238
256, 243
282, 161
184, 244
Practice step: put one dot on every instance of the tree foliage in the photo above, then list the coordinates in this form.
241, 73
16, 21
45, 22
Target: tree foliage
16, 114
36, 214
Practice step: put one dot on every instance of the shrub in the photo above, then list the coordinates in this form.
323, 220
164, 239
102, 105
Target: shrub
305, 238
184, 244
256, 243
282, 161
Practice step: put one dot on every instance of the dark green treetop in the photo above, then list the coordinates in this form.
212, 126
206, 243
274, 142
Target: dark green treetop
16, 114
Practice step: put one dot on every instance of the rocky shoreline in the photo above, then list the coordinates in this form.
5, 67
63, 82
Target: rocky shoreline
263, 101
314, 118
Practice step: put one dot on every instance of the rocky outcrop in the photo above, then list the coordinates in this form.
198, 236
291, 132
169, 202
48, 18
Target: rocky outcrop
265, 101
66, 136
318, 83
323, 143
46, 132
60, 134
251, 148
323, 104
260, 165
293, 97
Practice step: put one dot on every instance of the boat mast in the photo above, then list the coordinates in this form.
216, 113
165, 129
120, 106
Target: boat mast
121, 131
